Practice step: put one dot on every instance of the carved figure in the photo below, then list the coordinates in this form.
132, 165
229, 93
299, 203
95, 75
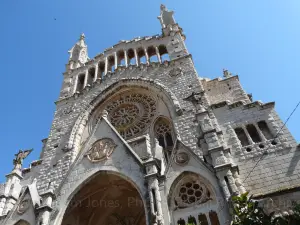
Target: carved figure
20, 156
101, 150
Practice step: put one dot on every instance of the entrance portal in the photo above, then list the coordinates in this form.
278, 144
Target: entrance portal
107, 199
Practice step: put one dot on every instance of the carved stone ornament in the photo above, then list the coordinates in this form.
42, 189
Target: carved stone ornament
176, 72
181, 158
131, 113
190, 191
101, 150
24, 205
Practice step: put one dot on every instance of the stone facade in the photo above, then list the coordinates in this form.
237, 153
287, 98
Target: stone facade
139, 115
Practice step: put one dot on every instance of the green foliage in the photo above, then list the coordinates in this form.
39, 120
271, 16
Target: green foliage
247, 212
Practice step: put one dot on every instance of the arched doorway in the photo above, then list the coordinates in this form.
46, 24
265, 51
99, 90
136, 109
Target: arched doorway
107, 199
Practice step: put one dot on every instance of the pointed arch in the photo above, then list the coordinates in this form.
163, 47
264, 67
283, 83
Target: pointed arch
148, 84
188, 180
22, 222
68, 199
163, 131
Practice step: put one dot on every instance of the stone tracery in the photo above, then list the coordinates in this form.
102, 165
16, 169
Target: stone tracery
131, 113
191, 191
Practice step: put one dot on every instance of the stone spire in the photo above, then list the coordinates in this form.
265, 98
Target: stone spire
166, 17
78, 53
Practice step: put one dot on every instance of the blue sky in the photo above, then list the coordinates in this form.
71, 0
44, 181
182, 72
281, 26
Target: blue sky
259, 40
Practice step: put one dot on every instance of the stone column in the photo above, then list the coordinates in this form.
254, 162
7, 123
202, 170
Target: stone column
147, 56
136, 57
96, 73
261, 135
248, 135
224, 186
106, 66
116, 60
126, 58
158, 55
12, 190
86, 78
75, 84
154, 193
153, 186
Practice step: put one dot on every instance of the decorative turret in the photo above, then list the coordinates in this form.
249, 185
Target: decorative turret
166, 17
12, 188
78, 53
167, 21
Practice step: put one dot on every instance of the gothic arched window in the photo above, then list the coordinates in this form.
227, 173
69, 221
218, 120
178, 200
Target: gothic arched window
163, 133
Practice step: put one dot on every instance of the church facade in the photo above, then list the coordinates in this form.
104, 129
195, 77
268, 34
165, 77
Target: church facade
139, 138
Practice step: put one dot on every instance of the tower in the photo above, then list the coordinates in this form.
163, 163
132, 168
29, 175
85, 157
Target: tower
139, 138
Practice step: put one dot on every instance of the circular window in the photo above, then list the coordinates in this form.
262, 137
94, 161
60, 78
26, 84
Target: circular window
131, 113
191, 191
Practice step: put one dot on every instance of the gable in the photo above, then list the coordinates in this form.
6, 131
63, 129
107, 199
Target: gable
24, 209
183, 159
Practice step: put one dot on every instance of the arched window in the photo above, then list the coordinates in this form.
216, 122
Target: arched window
181, 222
192, 220
242, 136
202, 219
163, 53
91, 76
131, 57
152, 54
265, 129
121, 58
253, 133
80, 82
141, 56
101, 70
192, 200
111, 64
214, 220
163, 132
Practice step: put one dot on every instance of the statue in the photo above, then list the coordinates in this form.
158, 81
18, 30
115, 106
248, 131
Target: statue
226, 73
20, 156
166, 17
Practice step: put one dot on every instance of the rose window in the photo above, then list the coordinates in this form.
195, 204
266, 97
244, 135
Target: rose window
124, 115
131, 114
191, 191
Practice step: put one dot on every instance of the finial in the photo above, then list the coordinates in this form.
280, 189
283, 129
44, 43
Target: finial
226, 73
162, 7
20, 156
82, 36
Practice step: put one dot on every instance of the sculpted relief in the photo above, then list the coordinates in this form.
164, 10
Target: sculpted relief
101, 150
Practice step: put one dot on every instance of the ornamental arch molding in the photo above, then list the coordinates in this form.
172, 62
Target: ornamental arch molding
68, 199
150, 85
